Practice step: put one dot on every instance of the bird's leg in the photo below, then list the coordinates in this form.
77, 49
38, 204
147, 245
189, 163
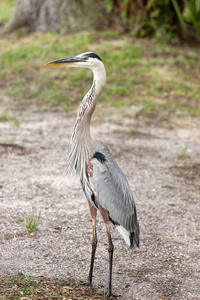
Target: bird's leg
110, 251
93, 212
105, 216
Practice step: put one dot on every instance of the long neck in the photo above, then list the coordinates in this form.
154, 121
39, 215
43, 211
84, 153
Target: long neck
82, 147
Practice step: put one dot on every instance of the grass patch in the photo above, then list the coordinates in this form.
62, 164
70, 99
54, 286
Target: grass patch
167, 186
182, 153
9, 116
32, 222
4, 115
27, 287
163, 81
18, 220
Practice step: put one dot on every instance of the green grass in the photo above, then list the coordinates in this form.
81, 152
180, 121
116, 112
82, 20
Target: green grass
182, 153
9, 115
4, 115
32, 222
18, 220
28, 287
167, 186
163, 80
6, 9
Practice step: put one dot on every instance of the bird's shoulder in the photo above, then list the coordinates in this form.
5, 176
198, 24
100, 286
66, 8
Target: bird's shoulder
103, 155
104, 162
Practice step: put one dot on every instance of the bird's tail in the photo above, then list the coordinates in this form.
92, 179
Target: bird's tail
134, 239
131, 238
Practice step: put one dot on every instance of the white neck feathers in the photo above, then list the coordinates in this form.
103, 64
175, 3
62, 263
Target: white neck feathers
82, 147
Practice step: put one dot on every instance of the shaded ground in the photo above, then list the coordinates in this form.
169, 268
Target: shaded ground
165, 181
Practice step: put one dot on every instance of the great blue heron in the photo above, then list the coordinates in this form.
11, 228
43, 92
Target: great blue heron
104, 184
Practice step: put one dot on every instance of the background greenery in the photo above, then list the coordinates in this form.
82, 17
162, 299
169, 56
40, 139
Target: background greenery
163, 19
146, 78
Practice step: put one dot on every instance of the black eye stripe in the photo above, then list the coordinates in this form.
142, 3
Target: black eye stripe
92, 55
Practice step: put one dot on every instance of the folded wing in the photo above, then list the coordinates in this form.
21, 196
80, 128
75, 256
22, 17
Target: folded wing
112, 190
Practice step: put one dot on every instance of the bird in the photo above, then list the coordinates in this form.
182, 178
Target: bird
104, 184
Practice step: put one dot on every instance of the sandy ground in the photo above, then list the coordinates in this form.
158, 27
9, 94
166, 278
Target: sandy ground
167, 194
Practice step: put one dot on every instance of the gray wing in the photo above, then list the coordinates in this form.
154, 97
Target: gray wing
112, 190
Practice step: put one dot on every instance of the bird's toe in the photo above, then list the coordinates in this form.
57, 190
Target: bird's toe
87, 283
108, 294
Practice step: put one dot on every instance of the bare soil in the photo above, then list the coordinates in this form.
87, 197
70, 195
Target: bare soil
167, 194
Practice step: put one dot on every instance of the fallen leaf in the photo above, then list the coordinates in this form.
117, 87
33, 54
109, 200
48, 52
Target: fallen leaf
67, 288
37, 281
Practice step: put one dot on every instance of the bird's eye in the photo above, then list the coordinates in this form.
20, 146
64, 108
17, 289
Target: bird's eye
86, 58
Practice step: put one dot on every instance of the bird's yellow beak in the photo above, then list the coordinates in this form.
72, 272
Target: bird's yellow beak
65, 61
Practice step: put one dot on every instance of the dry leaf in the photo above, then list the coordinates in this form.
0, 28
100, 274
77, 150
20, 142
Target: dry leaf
67, 288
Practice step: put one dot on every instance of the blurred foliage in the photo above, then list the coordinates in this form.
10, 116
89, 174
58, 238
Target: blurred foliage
192, 14
163, 19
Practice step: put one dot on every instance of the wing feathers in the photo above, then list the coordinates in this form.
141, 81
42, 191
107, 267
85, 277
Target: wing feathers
112, 190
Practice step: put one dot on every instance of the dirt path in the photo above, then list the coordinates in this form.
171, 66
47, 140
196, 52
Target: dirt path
166, 189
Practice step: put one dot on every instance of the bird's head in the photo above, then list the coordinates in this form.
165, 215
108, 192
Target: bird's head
88, 60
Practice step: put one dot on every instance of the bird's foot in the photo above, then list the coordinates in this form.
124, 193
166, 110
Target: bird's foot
108, 294
87, 283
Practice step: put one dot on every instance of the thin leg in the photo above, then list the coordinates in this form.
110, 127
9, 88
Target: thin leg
110, 251
105, 216
93, 211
